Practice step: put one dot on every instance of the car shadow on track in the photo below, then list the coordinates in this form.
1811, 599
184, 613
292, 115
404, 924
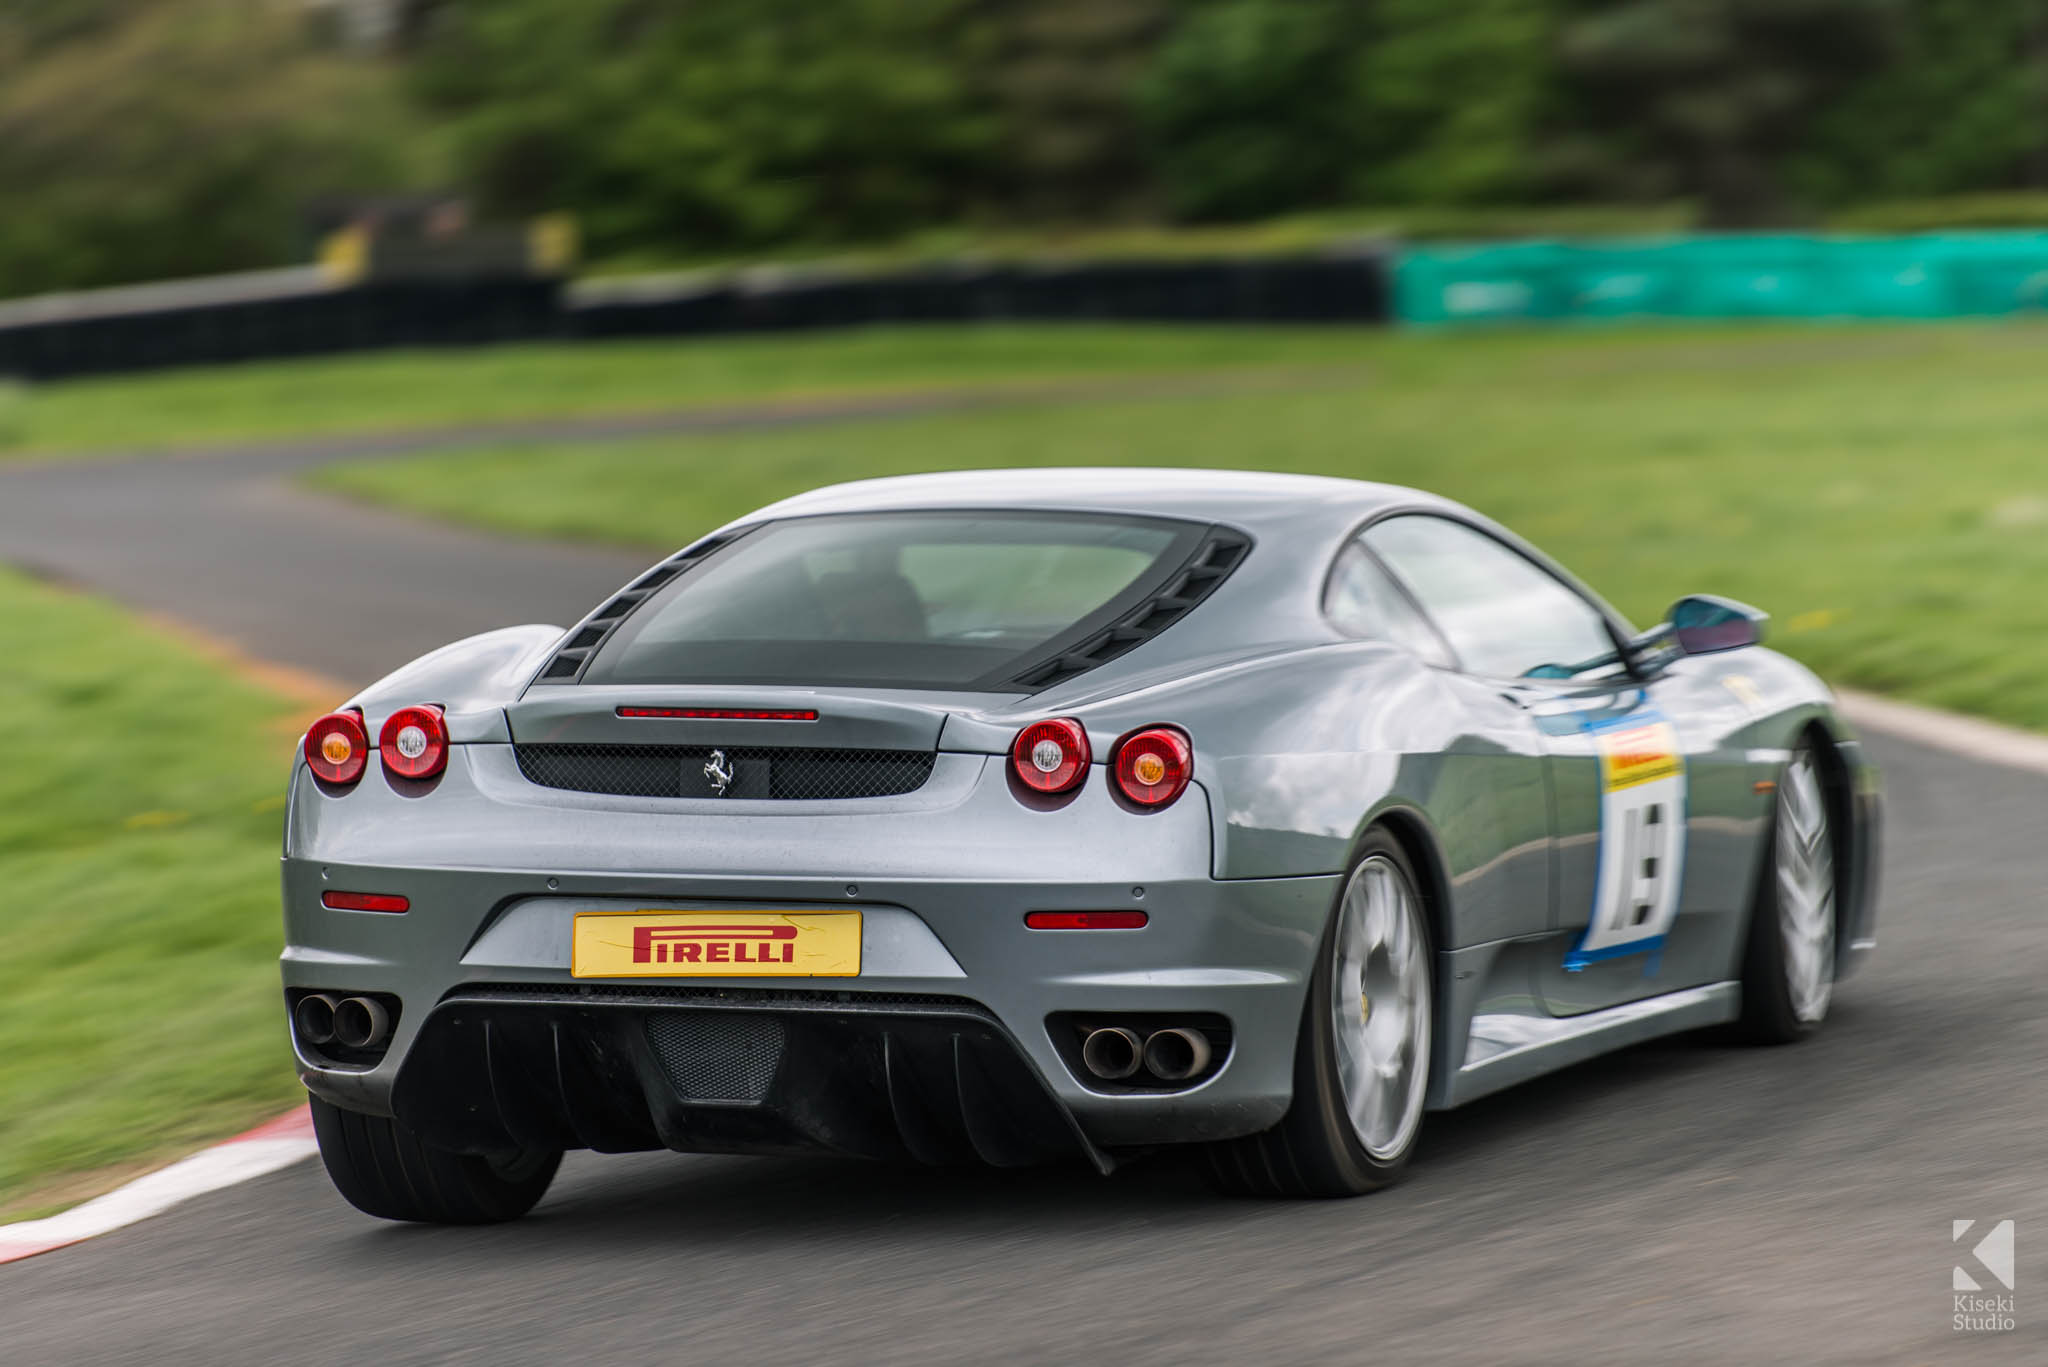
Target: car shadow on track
1682, 1101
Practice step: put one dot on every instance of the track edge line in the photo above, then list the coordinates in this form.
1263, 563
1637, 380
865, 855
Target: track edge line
277, 1143
1988, 742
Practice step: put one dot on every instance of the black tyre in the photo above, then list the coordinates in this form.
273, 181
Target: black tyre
1361, 1065
384, 1170
1788, 963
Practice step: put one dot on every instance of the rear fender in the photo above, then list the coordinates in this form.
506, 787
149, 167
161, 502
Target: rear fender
472, 680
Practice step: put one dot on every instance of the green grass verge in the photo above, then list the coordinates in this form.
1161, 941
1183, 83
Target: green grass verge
387, 391
1880, 489
140, 1012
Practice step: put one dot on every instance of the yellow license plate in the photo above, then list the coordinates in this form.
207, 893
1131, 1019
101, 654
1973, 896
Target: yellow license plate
716, 944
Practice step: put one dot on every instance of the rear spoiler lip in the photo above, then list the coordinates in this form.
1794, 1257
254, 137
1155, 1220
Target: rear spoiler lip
605, 714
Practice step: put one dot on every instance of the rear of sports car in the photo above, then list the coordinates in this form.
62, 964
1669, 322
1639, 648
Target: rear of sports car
781, 851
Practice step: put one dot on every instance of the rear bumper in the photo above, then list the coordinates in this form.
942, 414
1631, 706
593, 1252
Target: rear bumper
495, 1039
1239, 950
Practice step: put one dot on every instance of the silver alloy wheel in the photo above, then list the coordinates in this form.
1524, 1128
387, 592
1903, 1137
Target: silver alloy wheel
1806, 889
1380, 1006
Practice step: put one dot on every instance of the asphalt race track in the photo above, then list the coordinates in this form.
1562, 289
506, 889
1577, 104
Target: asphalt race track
1687, 1202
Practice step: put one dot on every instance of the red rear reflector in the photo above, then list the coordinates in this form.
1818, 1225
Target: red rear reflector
1085, 920
338, 747
723, 713
365, 901
1051, 756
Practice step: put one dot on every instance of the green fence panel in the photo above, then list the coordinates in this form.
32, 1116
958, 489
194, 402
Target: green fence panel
1735, 275
1504, 283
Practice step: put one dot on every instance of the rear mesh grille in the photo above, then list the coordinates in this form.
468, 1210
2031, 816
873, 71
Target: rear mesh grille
717, 1056
781, 773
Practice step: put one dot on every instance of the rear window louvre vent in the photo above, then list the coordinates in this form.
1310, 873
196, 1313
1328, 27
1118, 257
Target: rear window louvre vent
1220, 553
656, 577
567, 664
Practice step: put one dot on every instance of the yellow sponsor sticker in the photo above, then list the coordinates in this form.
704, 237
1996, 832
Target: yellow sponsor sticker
715, 944
1633, 755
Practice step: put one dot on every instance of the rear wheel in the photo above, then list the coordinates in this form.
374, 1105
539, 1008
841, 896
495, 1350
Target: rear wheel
1788, 969
1361, 1065
383, 1169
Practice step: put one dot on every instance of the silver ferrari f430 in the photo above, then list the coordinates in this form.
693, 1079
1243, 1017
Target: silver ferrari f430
1015, 816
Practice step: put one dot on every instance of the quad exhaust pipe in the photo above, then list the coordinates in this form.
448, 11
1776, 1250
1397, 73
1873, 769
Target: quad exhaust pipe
313, 1017
1115, 1054
352, 1022
361, 1022
1176, 1055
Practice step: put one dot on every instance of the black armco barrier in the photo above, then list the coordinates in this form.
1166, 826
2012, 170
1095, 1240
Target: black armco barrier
274, 314
295, 315
1349, 288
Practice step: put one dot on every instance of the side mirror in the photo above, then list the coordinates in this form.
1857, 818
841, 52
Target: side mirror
1702, 623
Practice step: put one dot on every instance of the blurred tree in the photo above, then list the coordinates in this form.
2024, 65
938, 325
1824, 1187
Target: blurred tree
1258, 106
712, 123
148, 138
1058, 77
1711, 97
29, 26
1248, 105
1448, 100
1965, 107
144, 139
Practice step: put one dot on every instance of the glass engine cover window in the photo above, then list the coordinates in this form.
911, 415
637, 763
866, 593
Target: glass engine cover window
1502, 613
907, 600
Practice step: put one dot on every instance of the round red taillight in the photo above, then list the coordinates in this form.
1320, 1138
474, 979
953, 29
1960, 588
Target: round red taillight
337, 747
414, 742
1051, 756
1153, 766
